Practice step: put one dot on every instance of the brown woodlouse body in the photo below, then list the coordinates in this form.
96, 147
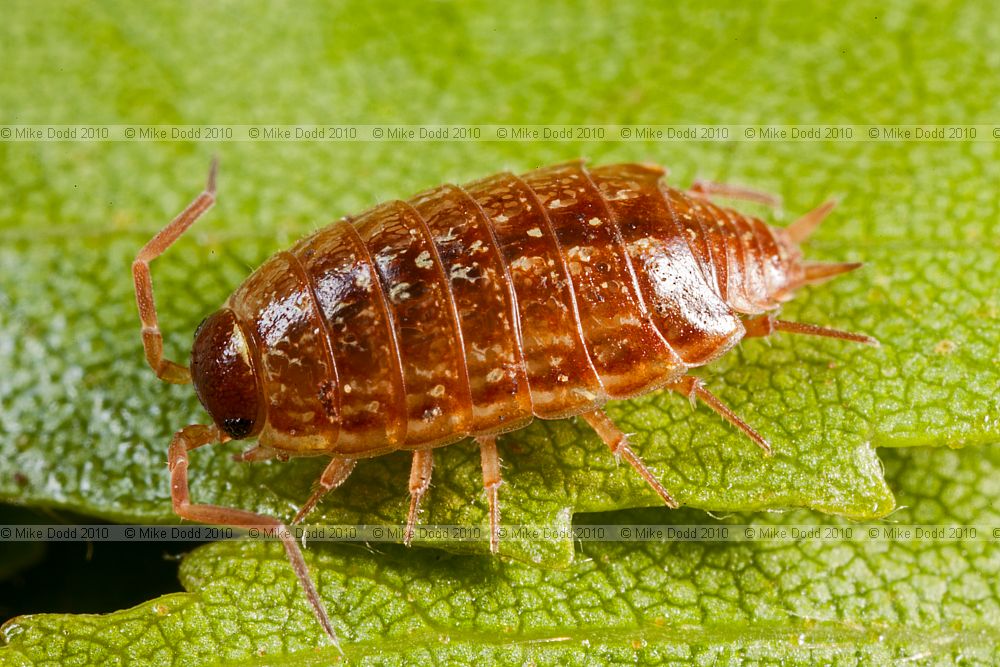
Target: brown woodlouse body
469, 311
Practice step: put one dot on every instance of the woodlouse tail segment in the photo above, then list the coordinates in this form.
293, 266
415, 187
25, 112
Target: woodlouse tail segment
617, 441
491, 484
335, 474
420, 481
152, 339
801, 229
815, 273
710, 189
759, 327
192, 437
694, 389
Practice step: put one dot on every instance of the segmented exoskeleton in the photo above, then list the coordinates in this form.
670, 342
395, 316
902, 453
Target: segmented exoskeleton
469, 311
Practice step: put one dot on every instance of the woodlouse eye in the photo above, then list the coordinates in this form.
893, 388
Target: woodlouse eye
224, 376
237, 427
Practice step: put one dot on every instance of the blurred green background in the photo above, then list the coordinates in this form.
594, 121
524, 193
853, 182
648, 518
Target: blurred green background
84, 425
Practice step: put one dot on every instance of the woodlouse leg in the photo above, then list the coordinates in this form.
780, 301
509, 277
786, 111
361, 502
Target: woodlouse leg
614, 438
491, 482
259, 453
335, 474
765, 325
420, 481
152, 339
192, 437
694, 389
709, 189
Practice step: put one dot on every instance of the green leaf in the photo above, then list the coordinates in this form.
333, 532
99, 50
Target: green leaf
782, 602
85, 425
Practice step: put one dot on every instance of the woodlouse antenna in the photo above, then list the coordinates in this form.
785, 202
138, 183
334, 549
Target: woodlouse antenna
152, 339
192, 437
802, 228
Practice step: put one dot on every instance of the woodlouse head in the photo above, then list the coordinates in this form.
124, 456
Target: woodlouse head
224, 375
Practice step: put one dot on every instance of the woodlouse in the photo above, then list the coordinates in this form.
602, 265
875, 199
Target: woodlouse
468, 311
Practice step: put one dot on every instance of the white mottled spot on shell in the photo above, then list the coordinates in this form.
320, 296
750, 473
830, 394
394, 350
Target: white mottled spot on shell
495, 375
644, 244
521, 264
500, 218
423, 260
459, 272
594, 222
437, 391
347, 388
450, 236
563, 377
621, 195
534, 232
398, 292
